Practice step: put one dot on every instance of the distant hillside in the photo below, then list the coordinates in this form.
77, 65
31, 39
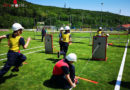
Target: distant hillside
28, 14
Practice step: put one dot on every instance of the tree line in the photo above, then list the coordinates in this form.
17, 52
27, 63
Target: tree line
29, 14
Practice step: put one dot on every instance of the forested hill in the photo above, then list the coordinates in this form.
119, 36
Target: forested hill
28, 14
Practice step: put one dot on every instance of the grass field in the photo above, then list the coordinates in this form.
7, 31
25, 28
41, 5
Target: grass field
35, 74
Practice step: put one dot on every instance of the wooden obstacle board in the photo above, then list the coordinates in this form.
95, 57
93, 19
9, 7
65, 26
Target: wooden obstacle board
99, 48
48, 43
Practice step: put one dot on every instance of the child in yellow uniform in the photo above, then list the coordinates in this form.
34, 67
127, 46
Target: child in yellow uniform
14, 57
66, 36
99, 32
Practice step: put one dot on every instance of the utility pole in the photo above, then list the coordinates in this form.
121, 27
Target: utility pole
65, 4
50, 21
119, 14
119, 19
82, 18
101, 12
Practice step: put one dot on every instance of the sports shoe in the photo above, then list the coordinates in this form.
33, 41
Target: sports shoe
70, 89
1, 76
58, 54
15, 70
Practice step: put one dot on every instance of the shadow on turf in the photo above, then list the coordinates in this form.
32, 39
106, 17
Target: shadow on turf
53, 60
85, 59
89, 59
76, 42
48, 84
3, 79
46, 53
116, 46
79, 42
123, 84
119, 46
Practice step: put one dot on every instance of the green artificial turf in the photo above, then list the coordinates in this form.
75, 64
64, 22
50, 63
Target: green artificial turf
35, 74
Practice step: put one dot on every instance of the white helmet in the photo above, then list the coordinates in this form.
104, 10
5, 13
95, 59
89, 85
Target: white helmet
17, 26
100, 27
61, 28
107, 35
67, 28
71, 57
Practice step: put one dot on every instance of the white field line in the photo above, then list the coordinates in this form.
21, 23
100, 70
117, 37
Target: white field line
88, 60
3, 59
119, 78
26, 49
1, 66
25, 54
34, 52
23, 50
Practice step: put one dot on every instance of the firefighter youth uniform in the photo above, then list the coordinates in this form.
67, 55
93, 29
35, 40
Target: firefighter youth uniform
65, 43
14, 57
99, 32
62, 68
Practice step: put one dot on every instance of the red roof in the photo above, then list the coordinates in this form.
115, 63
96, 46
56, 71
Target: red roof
126, 25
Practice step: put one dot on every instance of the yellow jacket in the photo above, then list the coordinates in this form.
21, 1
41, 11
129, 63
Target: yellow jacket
14, 43
66, 37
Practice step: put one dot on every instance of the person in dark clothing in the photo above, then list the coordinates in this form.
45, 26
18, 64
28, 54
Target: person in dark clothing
66, 36
64, 72
43, 34
61, 39
14, 57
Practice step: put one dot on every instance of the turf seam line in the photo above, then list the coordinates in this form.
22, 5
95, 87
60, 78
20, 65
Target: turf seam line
119, 78
88, 60
23, 50
25, 54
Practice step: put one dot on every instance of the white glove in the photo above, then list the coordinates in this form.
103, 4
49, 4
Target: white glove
74, 85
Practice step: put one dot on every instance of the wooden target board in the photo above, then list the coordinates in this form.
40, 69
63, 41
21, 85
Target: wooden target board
99, 48
48, 43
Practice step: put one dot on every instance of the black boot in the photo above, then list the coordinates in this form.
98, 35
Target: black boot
58, 54
15, 69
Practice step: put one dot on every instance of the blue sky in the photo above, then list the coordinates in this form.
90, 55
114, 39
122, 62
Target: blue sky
115, 6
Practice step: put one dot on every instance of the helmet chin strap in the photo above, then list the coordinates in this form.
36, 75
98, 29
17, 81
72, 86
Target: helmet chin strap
71, 62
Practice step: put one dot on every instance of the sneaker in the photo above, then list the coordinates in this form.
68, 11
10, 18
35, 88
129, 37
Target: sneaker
70, 89
15, 70
58, 54
1, 76
21, 64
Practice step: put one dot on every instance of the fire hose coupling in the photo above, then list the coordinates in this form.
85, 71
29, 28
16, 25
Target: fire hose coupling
99, 43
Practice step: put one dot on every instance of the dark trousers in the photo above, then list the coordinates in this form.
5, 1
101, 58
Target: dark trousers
42, 37
65, 46
61, 45
14, 59
60, 81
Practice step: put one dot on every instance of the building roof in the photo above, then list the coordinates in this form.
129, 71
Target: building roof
126, 25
